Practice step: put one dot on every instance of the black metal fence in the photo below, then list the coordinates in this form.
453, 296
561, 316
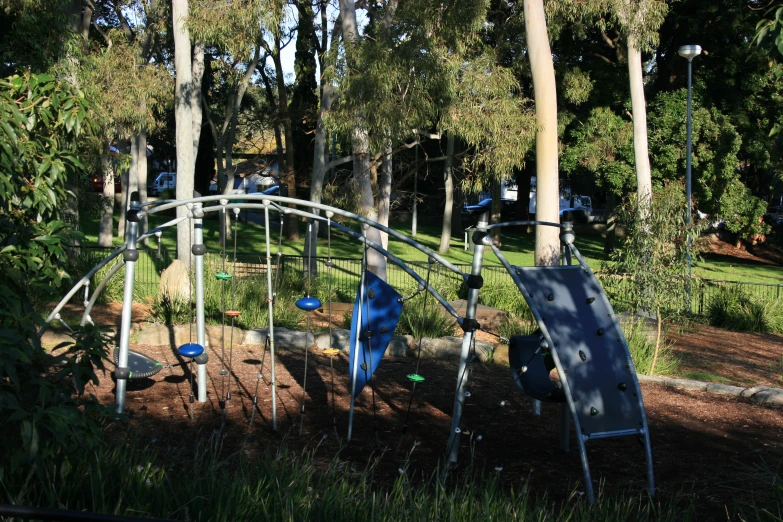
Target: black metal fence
346, 272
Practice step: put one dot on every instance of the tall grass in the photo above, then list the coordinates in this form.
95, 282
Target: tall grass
641, 344
128, 479
734, 310
420, 321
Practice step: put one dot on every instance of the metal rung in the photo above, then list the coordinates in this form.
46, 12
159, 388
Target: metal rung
609, 434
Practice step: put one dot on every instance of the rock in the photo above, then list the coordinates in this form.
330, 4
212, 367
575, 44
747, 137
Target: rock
724, 389
175, 282
773, 396
488, 317
748, 393
340, 340
483, 349
500, 355
214, 334
443, 349
166, 335
400, 346
686, 384
285, 339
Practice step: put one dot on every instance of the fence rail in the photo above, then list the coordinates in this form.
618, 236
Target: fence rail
346, 272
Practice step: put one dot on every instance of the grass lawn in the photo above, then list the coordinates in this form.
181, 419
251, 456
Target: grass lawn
517, 246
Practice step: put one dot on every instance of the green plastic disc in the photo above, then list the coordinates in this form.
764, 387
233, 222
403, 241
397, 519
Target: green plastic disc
415, 377
223, 276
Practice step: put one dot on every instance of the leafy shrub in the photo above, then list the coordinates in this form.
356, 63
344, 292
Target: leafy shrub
511, 326
641, 343
430, 322
504, 295
734, 310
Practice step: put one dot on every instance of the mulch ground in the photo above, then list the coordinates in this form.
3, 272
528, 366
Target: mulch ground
706, 447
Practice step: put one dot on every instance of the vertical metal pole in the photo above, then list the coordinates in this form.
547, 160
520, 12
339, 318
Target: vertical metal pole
467, 338
130, 256
357, 343
198, 253
688, 132
415, 216
271, 331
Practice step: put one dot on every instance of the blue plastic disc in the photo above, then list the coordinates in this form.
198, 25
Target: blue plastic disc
308, 304
190, 350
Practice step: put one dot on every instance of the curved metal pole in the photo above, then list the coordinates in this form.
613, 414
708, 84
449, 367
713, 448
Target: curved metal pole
84, 281
394, 259
98, 289
523, 223
292, 201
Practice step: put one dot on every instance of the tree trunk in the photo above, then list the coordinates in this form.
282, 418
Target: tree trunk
141, 179
611, 223
184, 123
319, 169
639, 111
292, 226
106, 227
197, 68
547, 189
448, 209
384, 192
125, 181
496, 207
361, 147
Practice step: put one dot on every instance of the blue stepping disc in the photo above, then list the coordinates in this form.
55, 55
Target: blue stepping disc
308, 304
190, 350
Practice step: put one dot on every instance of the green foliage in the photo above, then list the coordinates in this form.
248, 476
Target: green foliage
43, 411
654, 254
430, 322
743, 212
602, 146
511, 326
716, 144
641, 343
734, 310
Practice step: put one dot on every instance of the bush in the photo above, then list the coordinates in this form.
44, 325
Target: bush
641, 344
430, 322
734, 310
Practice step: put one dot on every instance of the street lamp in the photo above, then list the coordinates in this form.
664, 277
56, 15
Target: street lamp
689, 52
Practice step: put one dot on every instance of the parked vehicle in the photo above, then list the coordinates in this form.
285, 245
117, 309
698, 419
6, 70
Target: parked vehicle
97, 183
471, 213
580, 207
163, 181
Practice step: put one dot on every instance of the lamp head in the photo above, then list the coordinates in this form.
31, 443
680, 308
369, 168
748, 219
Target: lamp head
689, 52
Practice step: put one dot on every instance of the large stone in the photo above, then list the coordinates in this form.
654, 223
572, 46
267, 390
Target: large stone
175, 282
500, 355
166, 335
489, 318
443, 349
686, 384
724, 389
214, 336
483, 349
341, 340
773, 396
400, 346
285, 339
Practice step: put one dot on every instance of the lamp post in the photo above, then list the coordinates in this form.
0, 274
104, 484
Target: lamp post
689, 52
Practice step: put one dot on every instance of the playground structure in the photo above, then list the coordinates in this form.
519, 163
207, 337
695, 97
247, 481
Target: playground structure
578, 335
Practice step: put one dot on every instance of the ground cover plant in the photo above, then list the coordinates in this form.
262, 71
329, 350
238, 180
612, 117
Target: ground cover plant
735, 310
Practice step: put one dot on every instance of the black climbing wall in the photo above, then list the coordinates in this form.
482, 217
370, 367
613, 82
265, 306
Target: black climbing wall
590, 346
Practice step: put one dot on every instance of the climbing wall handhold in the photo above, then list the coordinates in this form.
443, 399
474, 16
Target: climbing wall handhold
593, 411
622, 386
590, 300
582, 355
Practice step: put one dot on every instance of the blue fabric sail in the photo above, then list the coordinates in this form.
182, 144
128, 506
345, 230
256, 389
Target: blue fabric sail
380, 312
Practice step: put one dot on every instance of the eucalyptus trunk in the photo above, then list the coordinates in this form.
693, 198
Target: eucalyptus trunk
639, 111
547, 250
106, 227
123, 203
448, 209
495, 209
319, 170
384, 192
141, 178
361, 147
292, 224
183, 113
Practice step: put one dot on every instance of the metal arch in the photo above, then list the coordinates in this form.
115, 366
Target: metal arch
397, 261
249, 198
98, 290
85, 280
523, 223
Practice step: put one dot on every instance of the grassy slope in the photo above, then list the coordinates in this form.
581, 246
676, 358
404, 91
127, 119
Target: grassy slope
517, 247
